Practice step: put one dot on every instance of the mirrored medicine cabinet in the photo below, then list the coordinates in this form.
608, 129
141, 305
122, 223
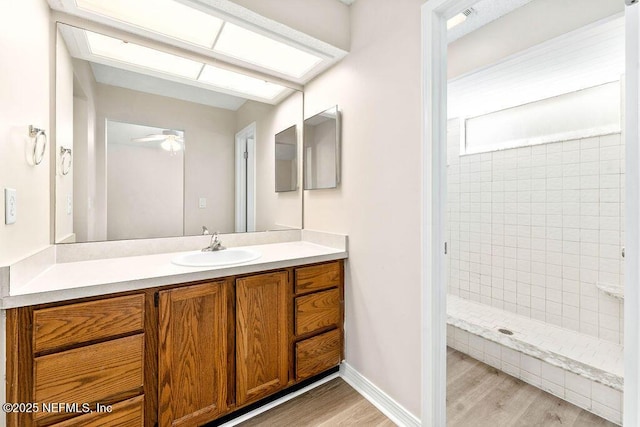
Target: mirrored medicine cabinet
321, 150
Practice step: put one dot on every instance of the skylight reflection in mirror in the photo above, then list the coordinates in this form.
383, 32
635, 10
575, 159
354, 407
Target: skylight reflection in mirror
142, 56
188, 71
239, 82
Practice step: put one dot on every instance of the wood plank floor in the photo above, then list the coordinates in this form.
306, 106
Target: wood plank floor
479, 395
334, 403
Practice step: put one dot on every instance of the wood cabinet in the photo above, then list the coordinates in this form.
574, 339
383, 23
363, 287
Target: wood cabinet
318, 300
179, 355
70, 358
262, 363
192, 355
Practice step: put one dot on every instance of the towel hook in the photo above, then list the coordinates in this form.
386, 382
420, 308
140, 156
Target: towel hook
38, 135
65, 166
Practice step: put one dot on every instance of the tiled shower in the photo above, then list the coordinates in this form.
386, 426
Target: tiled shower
534, 230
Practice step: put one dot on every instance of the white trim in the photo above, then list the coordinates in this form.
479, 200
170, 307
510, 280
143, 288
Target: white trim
434, 136
387, 405
434, 16
631, 415
278, 402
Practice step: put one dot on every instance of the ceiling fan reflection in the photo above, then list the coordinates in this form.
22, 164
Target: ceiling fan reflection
170, 140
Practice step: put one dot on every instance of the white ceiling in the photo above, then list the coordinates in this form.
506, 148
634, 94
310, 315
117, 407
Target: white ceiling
583, 58
484, 12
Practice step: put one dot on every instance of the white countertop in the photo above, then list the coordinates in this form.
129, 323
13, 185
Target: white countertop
65, 281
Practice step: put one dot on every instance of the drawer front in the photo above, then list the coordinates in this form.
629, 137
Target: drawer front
83, 322
96, 373
317, 354
317, 277
317, 311
128, 413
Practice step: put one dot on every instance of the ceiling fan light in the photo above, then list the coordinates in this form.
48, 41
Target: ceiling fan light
170, 144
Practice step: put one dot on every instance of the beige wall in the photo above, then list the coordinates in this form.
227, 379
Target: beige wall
64, 138
24, 85
377, 87
209, 155
145, 192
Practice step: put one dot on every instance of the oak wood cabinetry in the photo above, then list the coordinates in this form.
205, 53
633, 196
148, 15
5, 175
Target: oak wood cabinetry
318, 300
70, 358
262, 362
175, 355
192, 355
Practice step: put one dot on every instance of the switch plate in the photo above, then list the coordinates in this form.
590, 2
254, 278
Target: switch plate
10, 205
202, 203
69, 204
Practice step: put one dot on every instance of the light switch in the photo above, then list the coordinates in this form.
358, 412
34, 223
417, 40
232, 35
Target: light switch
202, 203
10, 205
69, 204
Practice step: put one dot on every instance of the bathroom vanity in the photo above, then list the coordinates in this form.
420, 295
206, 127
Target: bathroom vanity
180, 353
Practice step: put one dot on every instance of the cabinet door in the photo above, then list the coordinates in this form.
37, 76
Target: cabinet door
262, 364
192, 354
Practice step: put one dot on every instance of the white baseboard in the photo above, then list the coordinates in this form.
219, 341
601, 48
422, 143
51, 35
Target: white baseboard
392, 409
277, 402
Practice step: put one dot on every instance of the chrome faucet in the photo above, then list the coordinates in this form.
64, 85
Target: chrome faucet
215, 245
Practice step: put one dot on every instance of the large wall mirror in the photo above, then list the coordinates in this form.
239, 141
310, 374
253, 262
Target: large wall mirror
163, 145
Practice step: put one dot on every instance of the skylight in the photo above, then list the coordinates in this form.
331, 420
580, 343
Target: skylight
257, 49
167, 17
186, 70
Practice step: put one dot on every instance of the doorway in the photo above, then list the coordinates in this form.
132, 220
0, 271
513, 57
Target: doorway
245, 194
435, 16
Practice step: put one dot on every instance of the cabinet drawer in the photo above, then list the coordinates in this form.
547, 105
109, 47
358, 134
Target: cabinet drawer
83, 322
95, 373
317, 277
317, 311
128, 413
317, 354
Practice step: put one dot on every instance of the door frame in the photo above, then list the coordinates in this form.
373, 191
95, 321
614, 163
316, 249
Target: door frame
435, 14
631, 397
245, 188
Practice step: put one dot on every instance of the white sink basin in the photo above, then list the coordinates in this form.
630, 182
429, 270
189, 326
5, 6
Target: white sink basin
216, 258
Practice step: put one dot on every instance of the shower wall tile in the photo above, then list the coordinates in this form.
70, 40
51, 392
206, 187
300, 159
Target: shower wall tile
533, 229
